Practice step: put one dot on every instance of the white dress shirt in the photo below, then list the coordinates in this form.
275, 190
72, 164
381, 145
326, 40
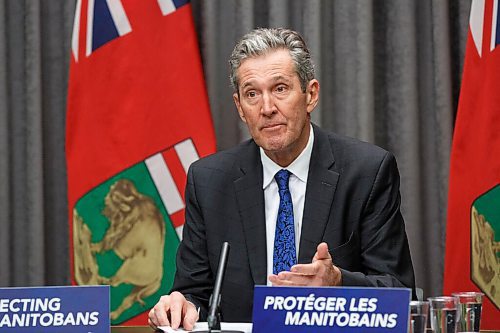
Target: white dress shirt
299, 169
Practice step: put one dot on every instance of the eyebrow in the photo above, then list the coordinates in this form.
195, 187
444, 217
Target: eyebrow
248, 83
281, 78
274, 79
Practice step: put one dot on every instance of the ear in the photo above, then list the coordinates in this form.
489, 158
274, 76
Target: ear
236, 99
312, 97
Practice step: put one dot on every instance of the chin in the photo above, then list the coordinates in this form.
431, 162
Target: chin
273, 142
273, 146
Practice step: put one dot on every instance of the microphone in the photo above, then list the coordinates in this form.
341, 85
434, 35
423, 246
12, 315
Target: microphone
213, 319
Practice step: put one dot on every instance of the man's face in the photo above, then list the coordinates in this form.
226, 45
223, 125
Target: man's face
273, 106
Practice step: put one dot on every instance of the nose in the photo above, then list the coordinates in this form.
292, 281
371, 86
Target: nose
268, 105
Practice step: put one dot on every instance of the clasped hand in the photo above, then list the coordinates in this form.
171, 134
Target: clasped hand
320, 272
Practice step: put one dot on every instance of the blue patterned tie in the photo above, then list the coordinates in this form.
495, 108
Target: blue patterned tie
284, 256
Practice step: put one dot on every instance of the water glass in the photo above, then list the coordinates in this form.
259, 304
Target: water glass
469, 308
418, 316
444, 314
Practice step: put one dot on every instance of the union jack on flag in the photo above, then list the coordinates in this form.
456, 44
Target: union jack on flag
107, 20
478, 24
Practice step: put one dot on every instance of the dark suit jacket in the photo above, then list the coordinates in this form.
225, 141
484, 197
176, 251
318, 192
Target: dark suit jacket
352, 203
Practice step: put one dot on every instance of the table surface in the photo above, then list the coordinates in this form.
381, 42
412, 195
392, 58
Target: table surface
131, 329
147, 329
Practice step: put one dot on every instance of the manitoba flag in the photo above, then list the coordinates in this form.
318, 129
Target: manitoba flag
137, 117
472, 261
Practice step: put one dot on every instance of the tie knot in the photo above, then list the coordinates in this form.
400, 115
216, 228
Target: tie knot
282, 178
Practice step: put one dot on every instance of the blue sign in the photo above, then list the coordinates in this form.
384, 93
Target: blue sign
337, 309
55, 309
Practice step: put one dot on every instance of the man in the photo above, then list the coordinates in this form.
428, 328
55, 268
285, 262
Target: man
298, 205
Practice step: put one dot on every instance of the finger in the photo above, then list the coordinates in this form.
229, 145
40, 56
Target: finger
281, 276
176, 305
290, 279
278, 281
322, 252
305, 269
153, 326
272, 278
150, 323
190, 316
158, 314
295, 279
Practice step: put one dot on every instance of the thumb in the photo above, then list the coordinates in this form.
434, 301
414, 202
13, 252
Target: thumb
322, 252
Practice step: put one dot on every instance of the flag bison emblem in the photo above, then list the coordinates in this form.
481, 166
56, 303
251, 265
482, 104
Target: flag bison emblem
136, 233
123, 236
485, 244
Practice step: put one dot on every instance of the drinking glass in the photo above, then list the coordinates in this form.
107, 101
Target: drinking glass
444, 314
469, 308
418, 316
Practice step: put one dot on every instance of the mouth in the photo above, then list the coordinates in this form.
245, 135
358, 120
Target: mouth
271, 127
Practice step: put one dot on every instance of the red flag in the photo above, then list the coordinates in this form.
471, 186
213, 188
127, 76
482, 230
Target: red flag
472, 261
137, 116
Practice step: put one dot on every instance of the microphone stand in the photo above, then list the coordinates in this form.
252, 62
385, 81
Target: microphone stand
213, 319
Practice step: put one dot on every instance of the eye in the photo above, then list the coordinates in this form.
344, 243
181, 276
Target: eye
281, 88
251, 94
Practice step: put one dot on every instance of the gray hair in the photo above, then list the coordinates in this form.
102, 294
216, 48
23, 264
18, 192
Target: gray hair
263, 40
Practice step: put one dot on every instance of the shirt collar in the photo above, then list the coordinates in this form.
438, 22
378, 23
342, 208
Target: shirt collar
299, 167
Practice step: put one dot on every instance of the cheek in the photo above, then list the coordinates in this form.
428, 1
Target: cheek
251, 121
296, 118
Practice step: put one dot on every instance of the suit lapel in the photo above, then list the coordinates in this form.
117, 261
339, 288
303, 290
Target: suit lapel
250, 199
321, 185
